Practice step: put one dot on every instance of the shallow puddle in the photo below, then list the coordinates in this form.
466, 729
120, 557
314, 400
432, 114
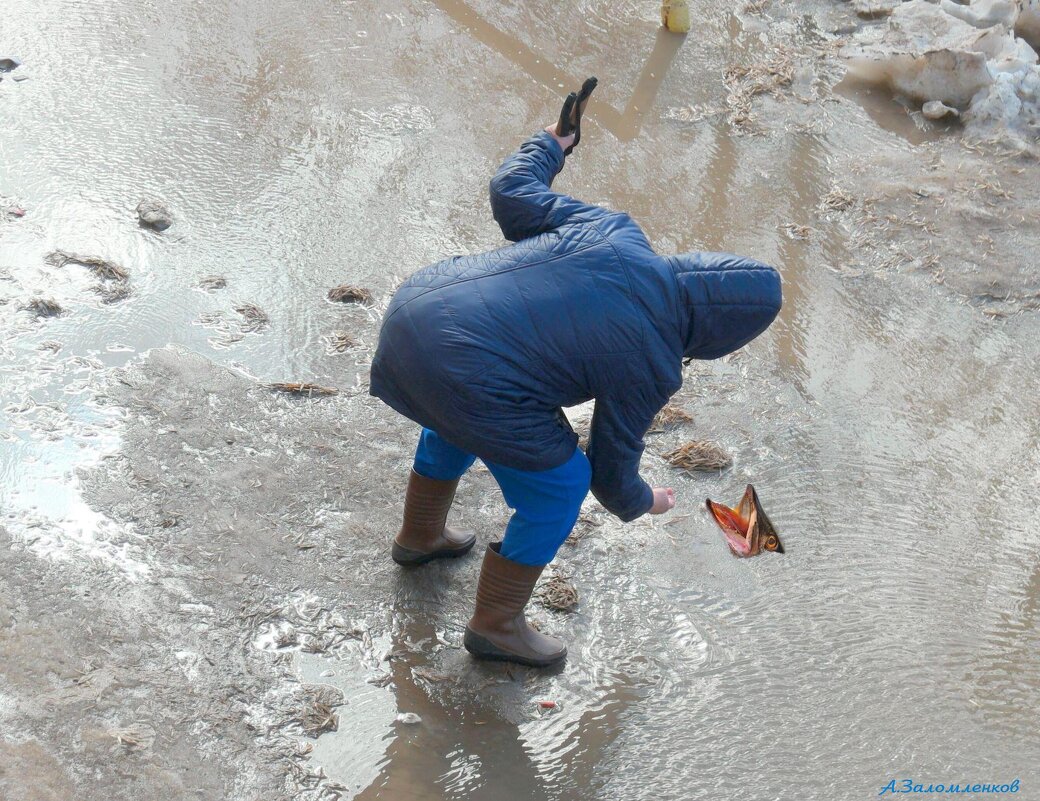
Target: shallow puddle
891, 432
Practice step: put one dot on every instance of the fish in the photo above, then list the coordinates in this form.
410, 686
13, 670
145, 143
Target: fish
747, 529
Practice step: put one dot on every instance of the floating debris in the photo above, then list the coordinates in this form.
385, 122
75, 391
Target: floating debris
583, 528
302, 389
286, 637
137, 735
794, 231
7, 64
50, 345
844, 271
316, 644
211, 282
558, 594
669, 417
254, 318
14, 211
113, 292
102, 268
747, 528
318, 714
838, 200
348, 293
699, 455
546, 704
408, 718
154, 214
44, 307
341, 341
763, 77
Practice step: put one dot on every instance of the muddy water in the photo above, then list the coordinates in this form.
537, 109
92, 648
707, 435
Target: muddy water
892, 432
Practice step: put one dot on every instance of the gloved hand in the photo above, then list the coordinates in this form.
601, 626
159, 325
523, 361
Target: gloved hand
570, 114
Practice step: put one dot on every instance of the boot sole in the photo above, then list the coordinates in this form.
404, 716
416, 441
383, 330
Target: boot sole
482, 648
408, 557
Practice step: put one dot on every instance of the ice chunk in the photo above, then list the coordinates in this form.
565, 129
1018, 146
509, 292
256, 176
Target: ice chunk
926, 54
974, 58
984, 13
998, 103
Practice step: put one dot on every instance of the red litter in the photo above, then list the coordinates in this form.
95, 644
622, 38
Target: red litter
547, 704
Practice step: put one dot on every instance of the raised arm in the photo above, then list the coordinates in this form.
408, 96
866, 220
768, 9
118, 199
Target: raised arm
616, 445
521, 200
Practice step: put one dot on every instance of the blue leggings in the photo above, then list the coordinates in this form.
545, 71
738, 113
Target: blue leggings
545, 502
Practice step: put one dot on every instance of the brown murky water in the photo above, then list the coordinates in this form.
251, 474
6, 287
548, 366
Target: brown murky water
891, 431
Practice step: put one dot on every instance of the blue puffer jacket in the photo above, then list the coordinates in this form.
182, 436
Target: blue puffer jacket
485, 349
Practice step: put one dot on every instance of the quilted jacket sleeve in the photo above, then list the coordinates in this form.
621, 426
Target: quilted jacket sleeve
521, 200
619, 423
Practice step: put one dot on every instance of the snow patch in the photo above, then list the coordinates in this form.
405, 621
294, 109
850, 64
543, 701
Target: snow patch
974, 58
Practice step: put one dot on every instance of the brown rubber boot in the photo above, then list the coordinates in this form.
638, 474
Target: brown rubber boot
498, 629
423, 535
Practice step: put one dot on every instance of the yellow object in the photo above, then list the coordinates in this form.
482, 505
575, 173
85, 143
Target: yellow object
675, 15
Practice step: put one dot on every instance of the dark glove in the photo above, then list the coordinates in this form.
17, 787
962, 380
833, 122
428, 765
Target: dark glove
570, 114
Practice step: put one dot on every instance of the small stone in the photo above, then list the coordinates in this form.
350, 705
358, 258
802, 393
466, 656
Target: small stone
936, 110
7, 64
154, 214
408, 718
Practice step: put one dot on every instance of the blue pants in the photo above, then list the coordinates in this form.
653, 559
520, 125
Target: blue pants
545, 502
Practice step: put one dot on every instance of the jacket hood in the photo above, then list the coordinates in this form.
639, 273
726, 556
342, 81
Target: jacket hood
727, 301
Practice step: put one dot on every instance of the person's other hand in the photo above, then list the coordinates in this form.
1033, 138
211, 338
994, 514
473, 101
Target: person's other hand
564, 141
664, 500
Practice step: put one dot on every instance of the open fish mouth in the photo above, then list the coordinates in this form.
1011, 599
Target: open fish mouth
747, 529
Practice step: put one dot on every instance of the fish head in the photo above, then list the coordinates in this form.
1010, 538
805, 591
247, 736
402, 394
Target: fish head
747, 529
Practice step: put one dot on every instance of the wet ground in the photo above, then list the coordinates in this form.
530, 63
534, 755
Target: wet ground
196, 599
